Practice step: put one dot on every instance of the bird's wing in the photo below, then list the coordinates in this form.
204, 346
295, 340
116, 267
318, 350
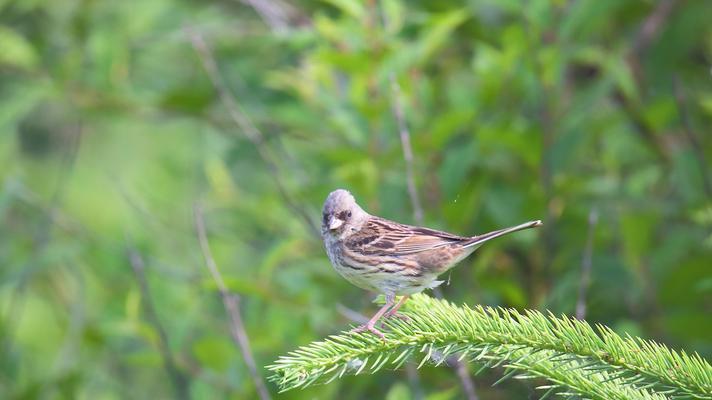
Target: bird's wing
381, 236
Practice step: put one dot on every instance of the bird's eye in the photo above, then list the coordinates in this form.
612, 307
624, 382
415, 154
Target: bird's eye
348, 214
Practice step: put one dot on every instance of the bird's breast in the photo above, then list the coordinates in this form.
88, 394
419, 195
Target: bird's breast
333, 248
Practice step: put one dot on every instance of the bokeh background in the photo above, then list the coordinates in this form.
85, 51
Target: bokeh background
118, 117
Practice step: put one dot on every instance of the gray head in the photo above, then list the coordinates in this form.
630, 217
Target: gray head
341, 214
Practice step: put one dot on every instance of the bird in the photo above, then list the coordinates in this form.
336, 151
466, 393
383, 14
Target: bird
384, 256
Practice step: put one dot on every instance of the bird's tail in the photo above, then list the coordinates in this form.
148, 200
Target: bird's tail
478, 240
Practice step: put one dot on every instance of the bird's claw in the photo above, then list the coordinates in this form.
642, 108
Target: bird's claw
398, 315
369, 328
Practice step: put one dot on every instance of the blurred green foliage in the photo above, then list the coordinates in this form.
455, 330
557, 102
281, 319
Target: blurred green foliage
112, 130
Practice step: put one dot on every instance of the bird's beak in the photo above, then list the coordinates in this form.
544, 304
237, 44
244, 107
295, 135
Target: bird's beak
334, 223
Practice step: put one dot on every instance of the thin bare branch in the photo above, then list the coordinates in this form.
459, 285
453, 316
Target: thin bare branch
57, 217
245, 124
181, 384
468, 385
40, 240
643, 128
275, 13
649, 30
351, 315
461, 369
586, 262
416, 388
463, 372
404, 133
231, 302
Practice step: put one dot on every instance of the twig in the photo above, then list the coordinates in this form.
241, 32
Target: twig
681, 101
164, 228
586, 262
244, 123
463, 372
407, 151
232, 307
649, 30
350, 314
56, 216
468, 385
398, 112
642, 127
181, 384
41, 239
274, 13
655, 21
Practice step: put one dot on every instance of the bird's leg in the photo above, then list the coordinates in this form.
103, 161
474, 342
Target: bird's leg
393, 313
371, 324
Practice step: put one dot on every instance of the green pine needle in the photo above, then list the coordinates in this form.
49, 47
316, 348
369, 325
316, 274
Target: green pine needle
572, 355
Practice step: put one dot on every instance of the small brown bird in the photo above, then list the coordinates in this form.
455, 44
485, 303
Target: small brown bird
391, 258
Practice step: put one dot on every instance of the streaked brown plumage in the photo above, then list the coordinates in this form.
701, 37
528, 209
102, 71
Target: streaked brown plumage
385, 256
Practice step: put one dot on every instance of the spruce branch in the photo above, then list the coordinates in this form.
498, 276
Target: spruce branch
573, 356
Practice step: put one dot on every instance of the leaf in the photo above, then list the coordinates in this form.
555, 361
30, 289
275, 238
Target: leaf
399, 391
353, 8
214, 352
16, 50
433, 37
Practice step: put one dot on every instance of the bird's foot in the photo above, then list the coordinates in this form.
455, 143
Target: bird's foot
370, 328
398, 315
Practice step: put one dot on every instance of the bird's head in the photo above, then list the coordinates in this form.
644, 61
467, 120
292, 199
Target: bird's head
341, 214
